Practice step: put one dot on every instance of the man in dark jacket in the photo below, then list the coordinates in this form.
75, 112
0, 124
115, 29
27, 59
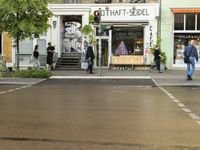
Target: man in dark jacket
157, 58
49, 59
90, 58
191, 52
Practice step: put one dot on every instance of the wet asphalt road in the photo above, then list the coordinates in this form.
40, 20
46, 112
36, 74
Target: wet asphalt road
98, 115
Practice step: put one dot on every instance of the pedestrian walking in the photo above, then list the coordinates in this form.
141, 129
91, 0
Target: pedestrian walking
90, 58
49, 59
36, 62
191, 52
157, 57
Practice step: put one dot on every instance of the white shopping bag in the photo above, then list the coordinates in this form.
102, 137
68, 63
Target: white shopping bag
84, 65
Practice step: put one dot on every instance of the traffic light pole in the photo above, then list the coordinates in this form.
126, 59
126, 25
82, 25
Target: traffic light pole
100, 42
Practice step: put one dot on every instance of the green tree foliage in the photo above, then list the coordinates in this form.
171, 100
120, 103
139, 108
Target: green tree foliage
23, 19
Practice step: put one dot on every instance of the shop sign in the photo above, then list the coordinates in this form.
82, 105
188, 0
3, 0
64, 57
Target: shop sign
184, 10
187, 35
128, 13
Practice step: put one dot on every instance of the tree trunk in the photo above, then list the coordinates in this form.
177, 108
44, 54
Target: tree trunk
17, 46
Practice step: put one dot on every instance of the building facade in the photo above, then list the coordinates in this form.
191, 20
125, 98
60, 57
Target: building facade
180, 23
135, 23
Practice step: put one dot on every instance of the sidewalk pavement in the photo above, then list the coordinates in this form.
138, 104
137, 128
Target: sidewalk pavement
167, 78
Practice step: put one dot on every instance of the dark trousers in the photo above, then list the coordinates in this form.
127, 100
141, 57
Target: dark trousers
157, 61
90, 67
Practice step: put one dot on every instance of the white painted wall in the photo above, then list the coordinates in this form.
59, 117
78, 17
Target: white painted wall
167, 24
85, 10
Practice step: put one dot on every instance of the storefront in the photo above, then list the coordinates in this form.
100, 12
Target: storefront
180, 23
133, 24
186, 28
134, 27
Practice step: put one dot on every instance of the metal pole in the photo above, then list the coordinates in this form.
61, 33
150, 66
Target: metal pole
160, 13
100, 43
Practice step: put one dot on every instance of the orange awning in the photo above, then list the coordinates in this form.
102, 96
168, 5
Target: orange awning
185, 10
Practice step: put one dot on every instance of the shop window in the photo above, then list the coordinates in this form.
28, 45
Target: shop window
179, 22
105, 33
71, 1
137, 1
25, 51
103, 1
26, 46
198, 21
131, 37
42, 50
181, 40
190, 21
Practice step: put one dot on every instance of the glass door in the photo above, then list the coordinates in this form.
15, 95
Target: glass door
104, 52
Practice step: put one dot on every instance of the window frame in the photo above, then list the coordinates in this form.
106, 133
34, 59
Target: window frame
184, 24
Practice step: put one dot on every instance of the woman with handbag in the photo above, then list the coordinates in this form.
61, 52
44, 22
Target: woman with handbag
191, 52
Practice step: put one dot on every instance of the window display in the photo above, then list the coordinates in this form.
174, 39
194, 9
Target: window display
132, 37
181, 40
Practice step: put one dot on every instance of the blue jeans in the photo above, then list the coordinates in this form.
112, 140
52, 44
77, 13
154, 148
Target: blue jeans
190, 70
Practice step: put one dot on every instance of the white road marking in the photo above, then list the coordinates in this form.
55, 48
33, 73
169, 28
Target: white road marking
172, 97
198, 122
176, 101
194, 116
15, 89
186, 110
3, 92
19, 88
169, 95
181, 105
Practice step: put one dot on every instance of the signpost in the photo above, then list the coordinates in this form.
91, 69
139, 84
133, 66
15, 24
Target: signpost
100, 42
102, 29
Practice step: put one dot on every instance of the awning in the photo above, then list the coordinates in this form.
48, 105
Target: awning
185, 10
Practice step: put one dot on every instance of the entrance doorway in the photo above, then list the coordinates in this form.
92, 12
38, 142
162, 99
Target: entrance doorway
104, 53
71, 37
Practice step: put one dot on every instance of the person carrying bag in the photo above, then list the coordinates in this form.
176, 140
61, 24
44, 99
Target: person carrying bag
186, 58
90, 58
190, 54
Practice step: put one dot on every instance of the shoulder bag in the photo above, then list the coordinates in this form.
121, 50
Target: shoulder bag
186, 58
